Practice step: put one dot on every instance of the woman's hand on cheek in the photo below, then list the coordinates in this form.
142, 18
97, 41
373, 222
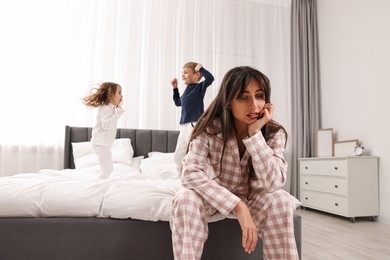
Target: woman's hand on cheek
265, 117
267, 112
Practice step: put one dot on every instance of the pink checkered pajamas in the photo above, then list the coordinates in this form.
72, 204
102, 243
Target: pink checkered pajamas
206, 191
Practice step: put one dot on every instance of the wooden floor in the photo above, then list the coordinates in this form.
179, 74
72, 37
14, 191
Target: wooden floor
326, 236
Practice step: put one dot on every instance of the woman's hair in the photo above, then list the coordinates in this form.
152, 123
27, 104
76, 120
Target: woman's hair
233, 85
101, 95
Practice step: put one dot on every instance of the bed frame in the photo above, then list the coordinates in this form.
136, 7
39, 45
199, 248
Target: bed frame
116, 239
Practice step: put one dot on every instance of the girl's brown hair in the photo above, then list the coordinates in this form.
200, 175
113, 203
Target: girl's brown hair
102, 95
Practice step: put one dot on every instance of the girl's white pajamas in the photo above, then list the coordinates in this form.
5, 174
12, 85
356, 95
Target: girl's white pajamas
103, 136
104, 156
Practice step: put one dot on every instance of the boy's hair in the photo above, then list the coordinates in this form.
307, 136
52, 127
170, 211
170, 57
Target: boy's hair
190, 64
102, 95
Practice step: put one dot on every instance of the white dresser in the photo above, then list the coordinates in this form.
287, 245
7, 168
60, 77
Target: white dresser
346, 186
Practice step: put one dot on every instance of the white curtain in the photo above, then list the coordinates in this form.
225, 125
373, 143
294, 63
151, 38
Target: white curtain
52, 52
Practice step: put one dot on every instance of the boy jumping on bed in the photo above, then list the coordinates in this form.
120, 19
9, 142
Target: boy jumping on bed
191, 103
107, 98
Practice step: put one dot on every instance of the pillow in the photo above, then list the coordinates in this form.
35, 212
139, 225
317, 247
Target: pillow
132, 168
84, 156
136, 162
162, 164
162, 156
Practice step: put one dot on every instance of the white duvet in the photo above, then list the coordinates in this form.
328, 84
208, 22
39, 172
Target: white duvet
128, 193
142, 190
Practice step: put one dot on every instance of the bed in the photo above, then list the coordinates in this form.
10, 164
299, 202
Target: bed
39, 232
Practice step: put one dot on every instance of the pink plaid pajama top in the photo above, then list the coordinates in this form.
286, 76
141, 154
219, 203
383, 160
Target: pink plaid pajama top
223, 191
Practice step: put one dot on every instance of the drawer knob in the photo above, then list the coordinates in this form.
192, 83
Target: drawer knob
306, 167
336, 168
336, 186
306, 183
336, 204
306, 198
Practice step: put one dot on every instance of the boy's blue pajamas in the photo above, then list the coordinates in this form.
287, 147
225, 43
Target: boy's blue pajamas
192, 107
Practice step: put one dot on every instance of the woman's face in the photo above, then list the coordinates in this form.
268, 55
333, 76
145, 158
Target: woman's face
117, 98
247, 108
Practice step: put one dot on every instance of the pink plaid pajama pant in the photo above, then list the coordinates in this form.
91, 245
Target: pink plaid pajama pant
272, 213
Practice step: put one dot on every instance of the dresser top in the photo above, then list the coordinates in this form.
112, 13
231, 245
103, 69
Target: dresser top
340, 158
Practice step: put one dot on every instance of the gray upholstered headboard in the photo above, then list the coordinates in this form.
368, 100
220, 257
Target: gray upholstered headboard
142, 140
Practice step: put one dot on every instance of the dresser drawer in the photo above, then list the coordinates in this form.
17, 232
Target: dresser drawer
336, 186
324, 167
324, 201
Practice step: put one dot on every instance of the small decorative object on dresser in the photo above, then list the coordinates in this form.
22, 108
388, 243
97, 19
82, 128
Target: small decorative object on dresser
346, 186
359, 150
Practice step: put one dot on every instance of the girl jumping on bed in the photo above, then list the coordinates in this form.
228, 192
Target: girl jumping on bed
235, 164
107, 98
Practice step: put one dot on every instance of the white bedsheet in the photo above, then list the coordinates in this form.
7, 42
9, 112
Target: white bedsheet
143, 190
78, 193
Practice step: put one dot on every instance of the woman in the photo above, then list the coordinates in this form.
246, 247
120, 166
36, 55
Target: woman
235, 164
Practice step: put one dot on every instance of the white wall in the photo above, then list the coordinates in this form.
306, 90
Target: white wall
354, 43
